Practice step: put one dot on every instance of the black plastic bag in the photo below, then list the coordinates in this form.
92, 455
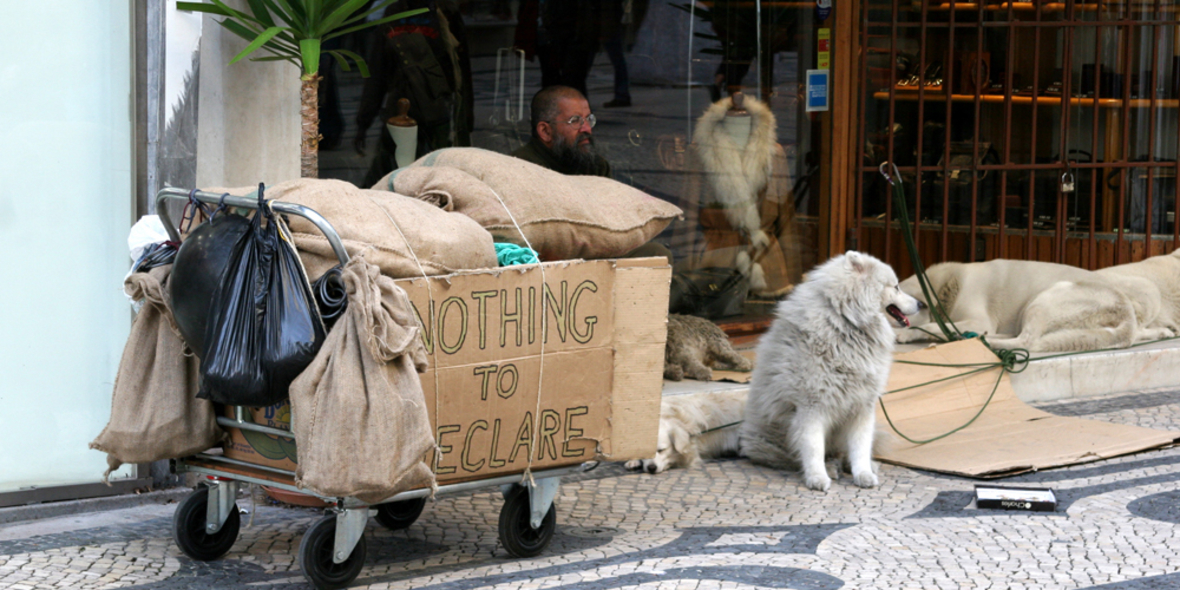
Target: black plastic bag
264, 327
198, 271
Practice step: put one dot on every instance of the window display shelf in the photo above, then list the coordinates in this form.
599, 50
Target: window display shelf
1135, 103
1047, 7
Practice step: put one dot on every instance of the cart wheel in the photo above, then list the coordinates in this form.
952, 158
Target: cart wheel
396, 516
517, 533
315, 556
188, 528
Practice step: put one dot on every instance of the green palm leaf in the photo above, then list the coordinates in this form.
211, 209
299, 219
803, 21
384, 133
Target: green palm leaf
343, 55
295, 30
259, 41
261, 12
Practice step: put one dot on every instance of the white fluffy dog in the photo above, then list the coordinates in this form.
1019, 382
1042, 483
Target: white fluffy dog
696, 426
1048, 307
822, 367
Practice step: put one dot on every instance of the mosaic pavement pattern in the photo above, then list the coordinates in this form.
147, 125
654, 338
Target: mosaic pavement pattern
727, 525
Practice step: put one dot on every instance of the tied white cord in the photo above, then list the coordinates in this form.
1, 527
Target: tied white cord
429, 317
528, 470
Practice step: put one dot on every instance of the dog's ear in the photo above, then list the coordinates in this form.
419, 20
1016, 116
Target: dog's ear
680, 439
856, 262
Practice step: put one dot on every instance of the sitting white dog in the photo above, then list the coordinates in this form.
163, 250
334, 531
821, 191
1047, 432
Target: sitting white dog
695, 426
1045, 307
822, 367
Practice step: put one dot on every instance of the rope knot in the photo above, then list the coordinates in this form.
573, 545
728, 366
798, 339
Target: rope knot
1014, 361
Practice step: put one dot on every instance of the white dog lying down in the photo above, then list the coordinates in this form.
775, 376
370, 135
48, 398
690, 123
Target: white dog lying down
1047, 307
687, 434
822, 367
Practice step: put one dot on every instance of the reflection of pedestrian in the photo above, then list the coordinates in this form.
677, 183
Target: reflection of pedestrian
564, 35
421, 58
735, 23
617, 15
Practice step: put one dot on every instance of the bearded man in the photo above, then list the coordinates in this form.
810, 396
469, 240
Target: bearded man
562, 137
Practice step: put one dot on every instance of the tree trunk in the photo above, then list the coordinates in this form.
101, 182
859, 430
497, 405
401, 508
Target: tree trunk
309, 111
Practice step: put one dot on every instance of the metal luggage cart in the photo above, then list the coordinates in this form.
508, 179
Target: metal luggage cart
332, 552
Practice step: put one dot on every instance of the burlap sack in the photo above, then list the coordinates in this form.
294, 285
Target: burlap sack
155, 413
444, 241
563, 217
358, 411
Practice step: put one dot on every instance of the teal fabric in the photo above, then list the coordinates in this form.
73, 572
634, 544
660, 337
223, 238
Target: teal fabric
512, 255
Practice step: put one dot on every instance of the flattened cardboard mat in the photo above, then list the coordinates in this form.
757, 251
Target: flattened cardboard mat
1008, 438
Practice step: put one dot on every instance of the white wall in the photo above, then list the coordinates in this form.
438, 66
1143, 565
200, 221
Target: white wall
248, 121
66, 169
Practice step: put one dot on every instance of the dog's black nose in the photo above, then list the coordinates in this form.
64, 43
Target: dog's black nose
650, 467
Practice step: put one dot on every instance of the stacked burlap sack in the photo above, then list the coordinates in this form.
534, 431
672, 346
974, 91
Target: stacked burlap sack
358, 411
395, 232
562, 217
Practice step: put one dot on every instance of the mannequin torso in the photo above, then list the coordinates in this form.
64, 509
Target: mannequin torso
738, 122
404, 131
738, 129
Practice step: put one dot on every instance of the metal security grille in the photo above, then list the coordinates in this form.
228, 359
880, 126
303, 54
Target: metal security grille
1028, 130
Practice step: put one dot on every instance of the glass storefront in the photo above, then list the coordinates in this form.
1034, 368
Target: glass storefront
702, 104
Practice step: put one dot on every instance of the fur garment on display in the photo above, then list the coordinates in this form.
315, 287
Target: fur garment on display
738, 197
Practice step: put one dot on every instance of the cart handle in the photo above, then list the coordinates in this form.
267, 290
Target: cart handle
249, 203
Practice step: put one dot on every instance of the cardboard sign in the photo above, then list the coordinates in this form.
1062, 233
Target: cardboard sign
538, 367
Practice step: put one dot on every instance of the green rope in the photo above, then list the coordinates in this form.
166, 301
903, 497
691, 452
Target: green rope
718, 428
1008, 360
936, 310
968, 423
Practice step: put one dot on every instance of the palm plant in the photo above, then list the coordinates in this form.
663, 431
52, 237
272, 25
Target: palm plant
294, 31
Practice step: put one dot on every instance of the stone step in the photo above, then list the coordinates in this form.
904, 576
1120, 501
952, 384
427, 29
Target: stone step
1149, 366
1051, 377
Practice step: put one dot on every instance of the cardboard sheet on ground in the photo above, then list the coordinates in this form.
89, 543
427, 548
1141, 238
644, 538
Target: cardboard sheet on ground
736, 376
1010, 437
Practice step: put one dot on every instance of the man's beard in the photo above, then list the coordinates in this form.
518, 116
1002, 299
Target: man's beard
573, 157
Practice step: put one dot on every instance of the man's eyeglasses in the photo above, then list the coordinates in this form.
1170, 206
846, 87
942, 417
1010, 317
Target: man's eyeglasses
577, 120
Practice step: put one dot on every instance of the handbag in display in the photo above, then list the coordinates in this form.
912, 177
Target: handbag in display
708, 292
963, 172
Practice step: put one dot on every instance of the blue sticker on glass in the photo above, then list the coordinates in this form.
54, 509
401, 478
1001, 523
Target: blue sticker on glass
817, 90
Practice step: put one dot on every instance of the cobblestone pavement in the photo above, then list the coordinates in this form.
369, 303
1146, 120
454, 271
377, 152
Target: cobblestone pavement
727, 525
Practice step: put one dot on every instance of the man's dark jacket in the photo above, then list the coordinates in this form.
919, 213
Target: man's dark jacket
534, 151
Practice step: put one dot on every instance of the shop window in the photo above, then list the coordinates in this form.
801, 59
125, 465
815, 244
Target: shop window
700, 104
